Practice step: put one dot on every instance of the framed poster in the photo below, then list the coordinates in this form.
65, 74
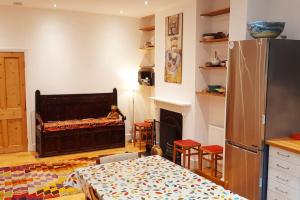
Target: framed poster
173, 52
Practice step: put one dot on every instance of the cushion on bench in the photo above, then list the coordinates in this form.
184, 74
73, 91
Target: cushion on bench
81, 124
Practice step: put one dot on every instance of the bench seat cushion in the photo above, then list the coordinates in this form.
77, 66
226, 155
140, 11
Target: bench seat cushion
80, 124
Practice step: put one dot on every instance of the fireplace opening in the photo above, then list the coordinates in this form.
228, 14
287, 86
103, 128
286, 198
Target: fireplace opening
170, 130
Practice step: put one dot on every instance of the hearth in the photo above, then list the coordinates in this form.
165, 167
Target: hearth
170, 130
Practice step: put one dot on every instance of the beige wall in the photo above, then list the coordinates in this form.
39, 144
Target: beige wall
73, 52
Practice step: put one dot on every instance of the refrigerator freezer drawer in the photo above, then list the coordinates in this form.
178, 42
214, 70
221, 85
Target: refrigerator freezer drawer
284, 190
284, 178
285, 155
285, 167
243, 171
275, 196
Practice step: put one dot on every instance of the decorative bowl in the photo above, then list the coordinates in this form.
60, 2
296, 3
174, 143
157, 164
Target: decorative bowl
264, 29
214, 88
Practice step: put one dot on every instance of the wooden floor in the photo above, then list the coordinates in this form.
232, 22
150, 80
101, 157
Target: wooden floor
15, 159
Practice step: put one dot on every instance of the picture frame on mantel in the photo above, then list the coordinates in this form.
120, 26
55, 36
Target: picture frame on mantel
173, 51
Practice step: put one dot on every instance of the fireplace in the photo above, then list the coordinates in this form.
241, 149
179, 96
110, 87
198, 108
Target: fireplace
170, 130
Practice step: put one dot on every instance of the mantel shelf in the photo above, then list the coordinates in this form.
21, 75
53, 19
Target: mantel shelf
147, 28
147, 49
213, 68
214, 94
172, 102
215, 40
216, 12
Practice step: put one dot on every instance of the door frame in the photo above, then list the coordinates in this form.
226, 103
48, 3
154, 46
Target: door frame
30, 144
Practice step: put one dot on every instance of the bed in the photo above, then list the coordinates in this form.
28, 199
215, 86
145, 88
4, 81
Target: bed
73, 123
151, 177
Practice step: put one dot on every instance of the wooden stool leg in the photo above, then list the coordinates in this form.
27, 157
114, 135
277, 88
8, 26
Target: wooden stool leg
174, 153
189, 158
141, 137
212, 162
146, 134
216, 165
134, 135
200, 157
151, 136
184, 156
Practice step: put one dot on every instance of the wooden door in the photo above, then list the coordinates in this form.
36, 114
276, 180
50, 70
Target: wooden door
13, 134
242, 171
247, 93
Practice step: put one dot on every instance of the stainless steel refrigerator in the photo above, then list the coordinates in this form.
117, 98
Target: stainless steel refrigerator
263, 102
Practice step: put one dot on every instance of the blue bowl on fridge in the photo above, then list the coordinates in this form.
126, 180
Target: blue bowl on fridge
264, 29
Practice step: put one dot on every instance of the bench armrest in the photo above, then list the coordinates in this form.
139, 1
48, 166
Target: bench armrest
120, 113
39, 120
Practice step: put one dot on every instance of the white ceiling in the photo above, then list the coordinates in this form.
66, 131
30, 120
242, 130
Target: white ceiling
133, 8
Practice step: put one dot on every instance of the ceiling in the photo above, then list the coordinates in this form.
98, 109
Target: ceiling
133, 8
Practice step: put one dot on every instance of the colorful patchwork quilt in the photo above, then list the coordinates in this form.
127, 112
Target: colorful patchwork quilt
150, 177
40, 180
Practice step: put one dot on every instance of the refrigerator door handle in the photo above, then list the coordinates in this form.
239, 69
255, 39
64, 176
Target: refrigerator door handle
263, 119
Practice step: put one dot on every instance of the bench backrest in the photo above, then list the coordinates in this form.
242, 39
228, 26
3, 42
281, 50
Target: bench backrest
74, 106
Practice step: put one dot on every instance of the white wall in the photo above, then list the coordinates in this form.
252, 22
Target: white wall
244, 11
285, 11
210, 110
73, 52
203, 110
184, 92
238, 19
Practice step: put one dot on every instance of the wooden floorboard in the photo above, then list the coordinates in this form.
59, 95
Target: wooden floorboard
14, 159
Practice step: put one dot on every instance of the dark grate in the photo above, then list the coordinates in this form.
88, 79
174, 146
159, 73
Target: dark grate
169, 154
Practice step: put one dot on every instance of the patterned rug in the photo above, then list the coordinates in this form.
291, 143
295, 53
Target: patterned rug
40, 180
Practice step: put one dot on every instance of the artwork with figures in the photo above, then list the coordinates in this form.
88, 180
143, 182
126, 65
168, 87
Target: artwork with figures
173, 60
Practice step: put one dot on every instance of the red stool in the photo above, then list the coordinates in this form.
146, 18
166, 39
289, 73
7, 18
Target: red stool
144, 129
184, 147
215, 153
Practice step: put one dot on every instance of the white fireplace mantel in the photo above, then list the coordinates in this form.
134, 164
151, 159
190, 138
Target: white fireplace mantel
172, 102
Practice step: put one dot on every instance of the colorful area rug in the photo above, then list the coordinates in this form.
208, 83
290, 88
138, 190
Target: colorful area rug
40, 180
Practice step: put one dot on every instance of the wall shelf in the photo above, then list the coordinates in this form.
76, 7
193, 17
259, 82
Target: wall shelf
147, 28
147, 49
216, 12
214, 94
147, 67
215, 40
213, 68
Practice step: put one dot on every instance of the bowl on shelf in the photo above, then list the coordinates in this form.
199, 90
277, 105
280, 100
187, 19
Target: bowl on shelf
221, 90
209, 36
214, 88
264, 29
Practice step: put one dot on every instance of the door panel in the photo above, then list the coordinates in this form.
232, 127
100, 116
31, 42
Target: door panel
242, 171
2, 84
1, 138
14, 129
12, 79
13, 136
246, 93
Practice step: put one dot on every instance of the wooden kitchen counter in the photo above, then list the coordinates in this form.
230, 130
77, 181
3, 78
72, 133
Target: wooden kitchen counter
287, 143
